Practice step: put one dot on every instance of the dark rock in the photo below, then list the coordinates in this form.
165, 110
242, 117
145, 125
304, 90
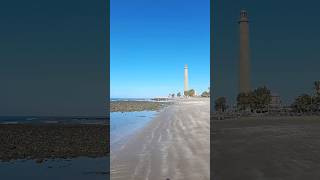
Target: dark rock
47, 141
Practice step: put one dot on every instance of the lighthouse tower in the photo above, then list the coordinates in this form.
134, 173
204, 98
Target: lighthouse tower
186, 81
244, 60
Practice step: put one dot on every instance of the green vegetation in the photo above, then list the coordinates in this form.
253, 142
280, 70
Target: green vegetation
190, 93
220, 104
308, 103
178, 94
261, 98
302, 103
255, 101
205, 94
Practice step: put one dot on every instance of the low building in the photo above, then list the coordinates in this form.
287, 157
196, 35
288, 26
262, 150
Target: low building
276, 103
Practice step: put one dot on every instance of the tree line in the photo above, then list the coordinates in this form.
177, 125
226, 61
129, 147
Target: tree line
254, 101
308, 103
259, 101
191, 93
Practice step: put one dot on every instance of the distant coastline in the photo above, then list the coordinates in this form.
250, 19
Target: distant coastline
130, 99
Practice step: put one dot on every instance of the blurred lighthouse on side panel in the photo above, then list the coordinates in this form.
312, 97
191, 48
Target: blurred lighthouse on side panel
244, 59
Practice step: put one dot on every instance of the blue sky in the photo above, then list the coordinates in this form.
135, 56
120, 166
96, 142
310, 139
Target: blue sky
151, 41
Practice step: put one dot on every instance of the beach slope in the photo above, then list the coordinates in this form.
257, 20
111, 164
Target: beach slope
175, 145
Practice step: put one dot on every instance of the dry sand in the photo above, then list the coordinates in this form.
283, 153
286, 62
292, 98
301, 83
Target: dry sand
270, 148
175, 145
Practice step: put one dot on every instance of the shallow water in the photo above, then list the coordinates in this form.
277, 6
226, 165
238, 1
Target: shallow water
81, 168
52, 120
124, 124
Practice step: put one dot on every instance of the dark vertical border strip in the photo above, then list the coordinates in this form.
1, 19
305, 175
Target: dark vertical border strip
108, 78
211, 86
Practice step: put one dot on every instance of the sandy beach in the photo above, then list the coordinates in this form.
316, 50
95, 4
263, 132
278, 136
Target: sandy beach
270, 148
175, 145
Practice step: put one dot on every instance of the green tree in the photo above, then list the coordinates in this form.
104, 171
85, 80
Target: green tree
178, 94
315, 103
205, 94
302, 103
261, 98
220, 104
257, 100
191, 93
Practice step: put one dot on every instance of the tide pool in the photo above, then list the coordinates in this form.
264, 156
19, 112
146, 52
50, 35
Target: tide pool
125, 124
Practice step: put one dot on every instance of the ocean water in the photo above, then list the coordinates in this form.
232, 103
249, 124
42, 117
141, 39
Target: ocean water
52, 120
81, 168
130, 99
138, 99
122, 125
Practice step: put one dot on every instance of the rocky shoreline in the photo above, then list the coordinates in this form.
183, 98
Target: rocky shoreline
41, 141
129, 106
50, 141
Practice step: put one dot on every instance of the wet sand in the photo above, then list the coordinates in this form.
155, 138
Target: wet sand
175, 145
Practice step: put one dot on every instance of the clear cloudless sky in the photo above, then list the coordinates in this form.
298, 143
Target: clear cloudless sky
151, 40
284, 37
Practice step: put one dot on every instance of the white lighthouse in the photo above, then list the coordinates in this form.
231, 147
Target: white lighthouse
186, 81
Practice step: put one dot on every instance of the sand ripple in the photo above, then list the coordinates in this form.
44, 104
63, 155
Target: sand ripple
175, 145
